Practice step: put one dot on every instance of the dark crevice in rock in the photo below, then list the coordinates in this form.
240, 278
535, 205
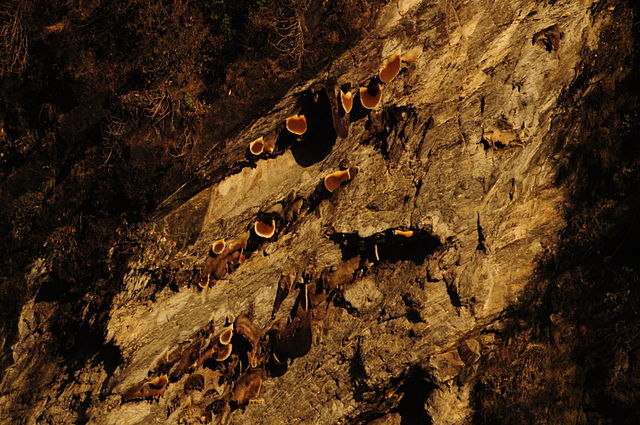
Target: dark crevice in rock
274, 368
415, 390
452, 291
81, 339
392, 245
413, 309
512, 191
388, 124
316, 144
52, 289
481, 238
84, 403
340, 302
109, 356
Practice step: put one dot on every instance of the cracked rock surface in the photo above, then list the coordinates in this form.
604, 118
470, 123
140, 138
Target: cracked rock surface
399, 339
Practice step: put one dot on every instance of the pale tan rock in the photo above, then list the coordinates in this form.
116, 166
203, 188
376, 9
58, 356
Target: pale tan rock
469, 350
446, 366
397, 315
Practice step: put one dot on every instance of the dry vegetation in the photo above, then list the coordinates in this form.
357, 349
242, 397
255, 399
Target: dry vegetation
107, 106
13, 40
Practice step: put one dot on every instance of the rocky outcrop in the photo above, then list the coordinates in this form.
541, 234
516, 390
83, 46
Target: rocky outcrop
409, 264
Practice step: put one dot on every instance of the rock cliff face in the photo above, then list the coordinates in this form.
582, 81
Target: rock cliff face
410, 266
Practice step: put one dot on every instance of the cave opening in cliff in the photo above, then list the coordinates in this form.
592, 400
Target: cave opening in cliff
391, 245
318, 140
415, 391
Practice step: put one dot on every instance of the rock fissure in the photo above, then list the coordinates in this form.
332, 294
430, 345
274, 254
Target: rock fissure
376, 261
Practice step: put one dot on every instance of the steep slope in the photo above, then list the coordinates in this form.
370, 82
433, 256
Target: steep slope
452, 201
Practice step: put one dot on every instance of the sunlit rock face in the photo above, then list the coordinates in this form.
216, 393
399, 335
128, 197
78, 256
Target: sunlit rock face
393, 277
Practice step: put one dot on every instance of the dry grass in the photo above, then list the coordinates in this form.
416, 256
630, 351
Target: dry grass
287, 29
14, 53
154, 106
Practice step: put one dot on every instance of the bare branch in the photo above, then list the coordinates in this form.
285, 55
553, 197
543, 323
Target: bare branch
14, 49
